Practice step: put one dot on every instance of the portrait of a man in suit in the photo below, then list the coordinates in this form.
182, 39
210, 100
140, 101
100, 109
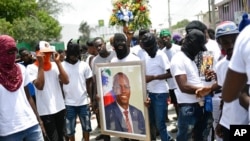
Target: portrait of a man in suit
120, 115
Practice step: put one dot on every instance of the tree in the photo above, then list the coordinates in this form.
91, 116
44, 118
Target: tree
180, 24
53, 7
6, 27
28, 30
12, 9
52, 27
27, 22
84, 29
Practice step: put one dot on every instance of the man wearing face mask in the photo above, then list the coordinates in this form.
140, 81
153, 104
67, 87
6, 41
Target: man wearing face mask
123, 53
50, 102
157, 71
186, 76
76, 92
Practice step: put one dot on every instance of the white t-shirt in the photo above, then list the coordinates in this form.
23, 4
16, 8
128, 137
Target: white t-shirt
182, 65
50, 99
76, 92
230, 109
16, 113
240, 61
170, 53
135, 49
88, 58
130, 57
156, 66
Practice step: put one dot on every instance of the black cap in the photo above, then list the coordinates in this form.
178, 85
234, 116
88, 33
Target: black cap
196, 25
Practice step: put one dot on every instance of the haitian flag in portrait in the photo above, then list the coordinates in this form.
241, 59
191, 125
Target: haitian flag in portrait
108, 94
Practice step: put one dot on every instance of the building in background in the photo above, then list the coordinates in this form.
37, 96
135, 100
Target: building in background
232, 10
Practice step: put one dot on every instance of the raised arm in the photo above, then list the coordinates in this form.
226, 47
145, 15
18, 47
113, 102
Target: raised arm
39, 81
63, 76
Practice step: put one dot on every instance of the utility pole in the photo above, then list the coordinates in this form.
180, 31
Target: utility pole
209, 11
169, 18
213, 14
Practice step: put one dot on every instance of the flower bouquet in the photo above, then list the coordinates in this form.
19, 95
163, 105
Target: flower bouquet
131, 14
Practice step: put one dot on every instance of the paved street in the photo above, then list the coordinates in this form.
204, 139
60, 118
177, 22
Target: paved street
170, 126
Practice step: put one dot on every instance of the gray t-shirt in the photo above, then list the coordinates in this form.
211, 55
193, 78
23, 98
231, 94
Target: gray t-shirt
99, 59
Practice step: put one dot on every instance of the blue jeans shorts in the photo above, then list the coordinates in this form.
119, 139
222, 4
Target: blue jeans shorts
33, 133
83, 112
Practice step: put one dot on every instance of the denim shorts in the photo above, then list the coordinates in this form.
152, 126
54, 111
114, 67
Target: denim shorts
33, 133
83, 112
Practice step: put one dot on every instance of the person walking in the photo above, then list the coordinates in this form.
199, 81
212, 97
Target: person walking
46, 76
77, 91
19, 119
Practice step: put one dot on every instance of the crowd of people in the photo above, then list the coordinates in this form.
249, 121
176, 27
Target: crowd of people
43, 96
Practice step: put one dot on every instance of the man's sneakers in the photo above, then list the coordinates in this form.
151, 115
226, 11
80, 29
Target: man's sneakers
103, 137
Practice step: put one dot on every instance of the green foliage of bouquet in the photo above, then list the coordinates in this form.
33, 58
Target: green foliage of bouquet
133, 14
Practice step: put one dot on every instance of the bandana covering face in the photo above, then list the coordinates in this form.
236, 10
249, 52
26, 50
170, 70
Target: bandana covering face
46, 64
10, 73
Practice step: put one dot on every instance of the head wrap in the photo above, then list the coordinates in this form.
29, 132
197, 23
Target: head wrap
165, 33
73, 49
149, 44
194, 42
244, 22
10, 73
196, 25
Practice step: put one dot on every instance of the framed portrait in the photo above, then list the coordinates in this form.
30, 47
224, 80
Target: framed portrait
122, 91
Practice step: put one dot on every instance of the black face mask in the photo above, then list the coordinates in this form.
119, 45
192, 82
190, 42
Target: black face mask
194, 43
120, 46
151, 51
121, 49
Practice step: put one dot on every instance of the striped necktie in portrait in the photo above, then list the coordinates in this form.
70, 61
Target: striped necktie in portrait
127, 121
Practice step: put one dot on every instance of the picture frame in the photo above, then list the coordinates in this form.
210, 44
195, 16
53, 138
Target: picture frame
112, 93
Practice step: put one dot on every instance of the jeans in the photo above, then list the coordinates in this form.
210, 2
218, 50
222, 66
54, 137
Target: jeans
157, 114
33, 133
54, 125
83, 113
191, 122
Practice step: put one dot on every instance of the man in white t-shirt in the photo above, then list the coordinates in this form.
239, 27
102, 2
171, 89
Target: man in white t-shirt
238, 66
226, 34
157, 71
19, 119
123, 54
49, 97
186, 76
77, 92
238, 70
170, 49
137, 50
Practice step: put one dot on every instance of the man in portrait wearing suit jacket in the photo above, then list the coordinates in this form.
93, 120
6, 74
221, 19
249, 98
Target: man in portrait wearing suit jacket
115, 113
